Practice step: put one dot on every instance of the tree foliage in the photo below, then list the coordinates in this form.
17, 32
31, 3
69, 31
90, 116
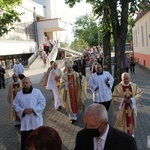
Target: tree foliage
86, 29
8, 15
114, 16
79, 45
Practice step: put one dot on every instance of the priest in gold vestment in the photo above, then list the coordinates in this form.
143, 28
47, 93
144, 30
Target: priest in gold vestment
47, 73
14, 87
73, 91
125, 98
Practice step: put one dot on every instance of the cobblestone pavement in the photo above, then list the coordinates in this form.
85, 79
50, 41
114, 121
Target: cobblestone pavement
10, 135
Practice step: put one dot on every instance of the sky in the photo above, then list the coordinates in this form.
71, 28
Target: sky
70, 15
78, 10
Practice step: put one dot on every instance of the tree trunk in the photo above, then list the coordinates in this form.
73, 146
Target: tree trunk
119, 26
106, 43
107, 52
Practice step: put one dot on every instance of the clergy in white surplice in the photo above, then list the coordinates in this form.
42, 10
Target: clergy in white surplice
53, 84
29, 104
101, 83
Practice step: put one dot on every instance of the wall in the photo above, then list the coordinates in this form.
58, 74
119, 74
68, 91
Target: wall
12, 47
141, 40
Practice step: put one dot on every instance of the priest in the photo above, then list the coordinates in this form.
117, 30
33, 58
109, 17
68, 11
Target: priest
125, 98
14, 87
73, 91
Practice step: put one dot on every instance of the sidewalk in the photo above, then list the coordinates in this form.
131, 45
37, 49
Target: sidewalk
10, 136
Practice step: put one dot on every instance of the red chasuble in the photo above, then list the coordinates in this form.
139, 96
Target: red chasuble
129, 113
72, 94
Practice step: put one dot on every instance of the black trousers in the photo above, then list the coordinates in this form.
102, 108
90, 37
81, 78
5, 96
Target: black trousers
106, 104
126, 69
132, 68
2, 81
24, 135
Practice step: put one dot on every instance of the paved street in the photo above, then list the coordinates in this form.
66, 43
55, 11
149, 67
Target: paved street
10, 136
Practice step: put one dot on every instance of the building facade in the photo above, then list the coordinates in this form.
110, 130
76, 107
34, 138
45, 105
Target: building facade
40, 24
141, 38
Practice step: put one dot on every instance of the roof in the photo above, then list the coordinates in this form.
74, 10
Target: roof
141, 14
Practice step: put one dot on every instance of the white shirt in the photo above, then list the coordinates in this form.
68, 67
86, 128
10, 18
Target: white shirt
34, 100
99, 143
103, 94
18, 68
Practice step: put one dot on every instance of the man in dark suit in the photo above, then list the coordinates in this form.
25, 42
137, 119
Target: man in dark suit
99, 135
2, 77
82, 66
100, 60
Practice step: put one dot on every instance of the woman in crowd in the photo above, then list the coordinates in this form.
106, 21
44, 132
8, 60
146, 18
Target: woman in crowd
44, 138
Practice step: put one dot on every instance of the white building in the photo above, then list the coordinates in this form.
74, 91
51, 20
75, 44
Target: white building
41, 22
141, 38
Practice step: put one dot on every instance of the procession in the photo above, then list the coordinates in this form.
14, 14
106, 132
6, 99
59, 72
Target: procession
58, 101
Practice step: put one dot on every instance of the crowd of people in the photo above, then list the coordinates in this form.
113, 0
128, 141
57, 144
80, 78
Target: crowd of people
69, 87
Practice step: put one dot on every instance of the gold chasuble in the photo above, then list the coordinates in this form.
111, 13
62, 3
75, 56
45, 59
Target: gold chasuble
13, 89
126, 116
16, 88
73, 96
57, 77
46, 76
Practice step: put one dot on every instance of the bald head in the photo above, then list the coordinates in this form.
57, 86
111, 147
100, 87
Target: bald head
125, 77
125, 74
15, 77
26, 82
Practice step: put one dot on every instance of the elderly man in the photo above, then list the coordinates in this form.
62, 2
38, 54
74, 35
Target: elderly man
73, 91
101, 83
54, 84
14, 87
125, 97
99, 135
29, 104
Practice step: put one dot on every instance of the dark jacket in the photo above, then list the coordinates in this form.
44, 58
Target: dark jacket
116, 140
82, 66
2, 72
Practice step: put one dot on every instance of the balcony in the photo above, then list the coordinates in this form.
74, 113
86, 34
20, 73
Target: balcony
51, 25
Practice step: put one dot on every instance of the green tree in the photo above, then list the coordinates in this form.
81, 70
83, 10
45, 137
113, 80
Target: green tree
129, 33
79, 45
64, 44
86, 30
115, 12
8, 15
